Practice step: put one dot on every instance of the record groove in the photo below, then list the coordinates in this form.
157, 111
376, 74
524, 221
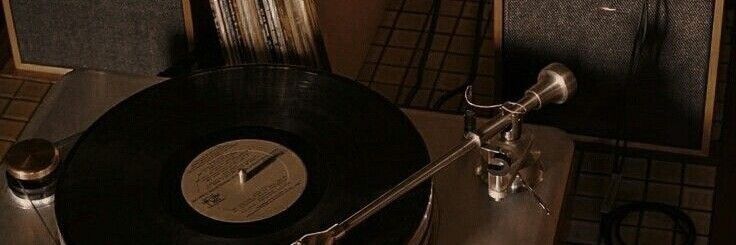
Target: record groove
122, 181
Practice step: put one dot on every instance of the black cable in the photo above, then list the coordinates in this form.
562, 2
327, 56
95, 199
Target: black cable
635, 60
621, 144
611, 230
645, 53
428, 41
473, 73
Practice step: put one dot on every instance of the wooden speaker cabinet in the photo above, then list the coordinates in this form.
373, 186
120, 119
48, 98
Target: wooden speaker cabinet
670, 91
134, 36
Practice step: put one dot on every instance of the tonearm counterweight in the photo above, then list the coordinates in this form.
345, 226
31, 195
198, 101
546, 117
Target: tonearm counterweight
509, 160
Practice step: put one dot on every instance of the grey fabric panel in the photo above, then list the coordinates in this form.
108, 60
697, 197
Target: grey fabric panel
135, 36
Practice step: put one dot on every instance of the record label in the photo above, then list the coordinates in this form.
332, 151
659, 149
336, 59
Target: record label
244, 180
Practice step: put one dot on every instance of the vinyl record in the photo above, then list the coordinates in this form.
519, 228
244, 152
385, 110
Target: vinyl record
256, 154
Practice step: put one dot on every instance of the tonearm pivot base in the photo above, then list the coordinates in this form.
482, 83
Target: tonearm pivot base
555, 84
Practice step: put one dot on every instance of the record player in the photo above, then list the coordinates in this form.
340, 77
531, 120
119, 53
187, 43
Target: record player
279, 154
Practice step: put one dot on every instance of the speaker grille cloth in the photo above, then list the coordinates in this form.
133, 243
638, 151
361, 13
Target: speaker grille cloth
595, 38
134, 36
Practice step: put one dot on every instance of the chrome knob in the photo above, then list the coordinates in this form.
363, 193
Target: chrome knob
555, 84
32, 159
31, 168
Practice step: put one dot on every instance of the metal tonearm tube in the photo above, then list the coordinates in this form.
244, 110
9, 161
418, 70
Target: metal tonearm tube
555, 84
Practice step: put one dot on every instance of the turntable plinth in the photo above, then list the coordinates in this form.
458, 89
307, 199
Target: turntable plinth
466, 216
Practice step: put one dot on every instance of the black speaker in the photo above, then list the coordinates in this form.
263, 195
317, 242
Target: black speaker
646, 69
134, 36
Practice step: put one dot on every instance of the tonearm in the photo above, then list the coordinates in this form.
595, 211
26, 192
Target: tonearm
555, 84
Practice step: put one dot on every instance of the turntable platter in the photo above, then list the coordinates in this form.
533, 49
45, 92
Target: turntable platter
247, 154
